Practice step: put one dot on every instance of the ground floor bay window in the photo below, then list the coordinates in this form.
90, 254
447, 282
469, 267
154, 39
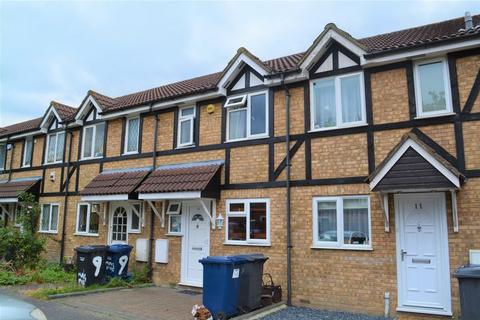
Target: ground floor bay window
248, 221
342, 222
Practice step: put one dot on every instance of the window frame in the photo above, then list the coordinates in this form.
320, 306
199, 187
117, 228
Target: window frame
338, 102
417, 87
339, 244
139, 215
94, 136
191, 118
56, 134
28, 139
248, 106
127, 132
3, 159
87, 231
246, 214
50, 211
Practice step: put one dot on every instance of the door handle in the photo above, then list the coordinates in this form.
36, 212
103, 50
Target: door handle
403, 253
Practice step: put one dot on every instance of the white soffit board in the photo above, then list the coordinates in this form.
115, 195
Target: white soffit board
327, 65
240, 84
114, 197
254, 80
344, 61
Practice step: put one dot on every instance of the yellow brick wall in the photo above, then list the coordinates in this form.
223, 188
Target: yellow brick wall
471, 132
87, 173
297, 111
53, 241
390, 96
114, 139
148, 132
249, 164
38, 151
444, 135
297, 169
385, 141
467, 69
165, 131
49, 185
210, 125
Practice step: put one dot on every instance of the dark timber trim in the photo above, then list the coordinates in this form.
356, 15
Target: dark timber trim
140, 132
411, 90
196, 125
70, 174
452, 70
293, 150
436, 147
227, 166
472, 97
122, 138
175, 127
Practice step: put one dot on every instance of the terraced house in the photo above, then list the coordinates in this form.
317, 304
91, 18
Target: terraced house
378, 195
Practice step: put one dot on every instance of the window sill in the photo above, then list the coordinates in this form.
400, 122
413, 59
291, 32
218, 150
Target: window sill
363, 124
49, 163
86, 234
186, 146
92, 158
134, 231
227, 243
126, 153
174, 234
248, 138
434, 115
48, 232
367, 248
24, 166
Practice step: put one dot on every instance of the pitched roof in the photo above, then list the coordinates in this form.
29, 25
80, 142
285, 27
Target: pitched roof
21, 127
65, 112
11, 189
180, 178
115, 182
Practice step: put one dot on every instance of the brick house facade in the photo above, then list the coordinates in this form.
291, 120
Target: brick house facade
379, 128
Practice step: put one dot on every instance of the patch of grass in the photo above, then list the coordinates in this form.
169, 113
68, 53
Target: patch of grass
10, 278
46, 273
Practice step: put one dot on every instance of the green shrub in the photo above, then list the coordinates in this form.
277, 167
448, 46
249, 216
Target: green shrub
21, 249
140, 275
10, 278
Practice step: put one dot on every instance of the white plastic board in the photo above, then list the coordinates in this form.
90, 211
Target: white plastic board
161, 251
141, 250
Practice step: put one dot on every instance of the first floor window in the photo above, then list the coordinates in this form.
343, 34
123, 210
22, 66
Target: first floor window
93, 140
49, 218
341, 222
248, 221
132, 134
3, 155
55, 147
247, 116
337, 101
186, 121
432, 87
27, 152
87, 221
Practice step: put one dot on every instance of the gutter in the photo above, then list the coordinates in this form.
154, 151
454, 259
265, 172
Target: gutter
288, 190
65, 201
152, 215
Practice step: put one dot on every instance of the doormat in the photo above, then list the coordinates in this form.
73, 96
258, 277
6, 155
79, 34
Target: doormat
190, 292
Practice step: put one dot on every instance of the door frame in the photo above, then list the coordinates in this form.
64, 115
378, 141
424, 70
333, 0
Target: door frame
185, 228
112, 206
443, 261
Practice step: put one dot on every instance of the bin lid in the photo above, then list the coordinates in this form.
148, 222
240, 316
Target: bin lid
468, 271
92, 248
253, 257
120, 247
224, 260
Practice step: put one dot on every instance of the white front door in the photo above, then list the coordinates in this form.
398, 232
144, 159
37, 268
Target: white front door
422, 253
118, 225
196, 243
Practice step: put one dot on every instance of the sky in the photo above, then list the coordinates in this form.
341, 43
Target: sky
60, 50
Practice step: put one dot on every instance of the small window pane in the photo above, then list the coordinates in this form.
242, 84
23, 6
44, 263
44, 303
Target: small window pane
258, 221
327, 221
187, 112
53, 222
237, 124
51, 148
185, 134
60, 146
135, 221
133, 134
99, 136
351, 99
82, 218
87, 147
45, 217
324, 103
355, 221
237, 228
432, 87
237, 207
27, 157
175, 223
3, 152
258, 114
94, 218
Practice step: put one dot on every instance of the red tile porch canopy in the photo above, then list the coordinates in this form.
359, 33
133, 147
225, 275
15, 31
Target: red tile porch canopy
200, 178
10, 190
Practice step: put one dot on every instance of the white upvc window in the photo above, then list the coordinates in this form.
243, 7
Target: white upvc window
248, 221
342, 222
87, 221
3, 155
337, 102
432, 87
247, 116
132, 135
55, 147
93, 140
186, 121
27, 152
49, 218
136, 218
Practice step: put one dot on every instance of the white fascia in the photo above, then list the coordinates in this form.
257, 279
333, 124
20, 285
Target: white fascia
51, 110
170, 195
9, 200
84, 106
27, 134
186, 100
100, 198
127, 112
427, 156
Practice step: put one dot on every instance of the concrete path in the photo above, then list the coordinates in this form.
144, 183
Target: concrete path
140, 303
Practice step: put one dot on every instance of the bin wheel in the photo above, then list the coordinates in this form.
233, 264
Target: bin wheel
222, 316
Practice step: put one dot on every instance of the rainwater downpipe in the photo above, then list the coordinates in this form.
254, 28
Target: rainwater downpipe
152, 215
287, 185
65, 201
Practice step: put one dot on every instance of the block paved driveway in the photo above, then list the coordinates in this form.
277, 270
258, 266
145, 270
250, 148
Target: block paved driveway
140, 303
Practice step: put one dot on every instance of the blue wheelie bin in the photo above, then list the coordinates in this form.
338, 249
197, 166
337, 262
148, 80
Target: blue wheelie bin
116, 263
221, 284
